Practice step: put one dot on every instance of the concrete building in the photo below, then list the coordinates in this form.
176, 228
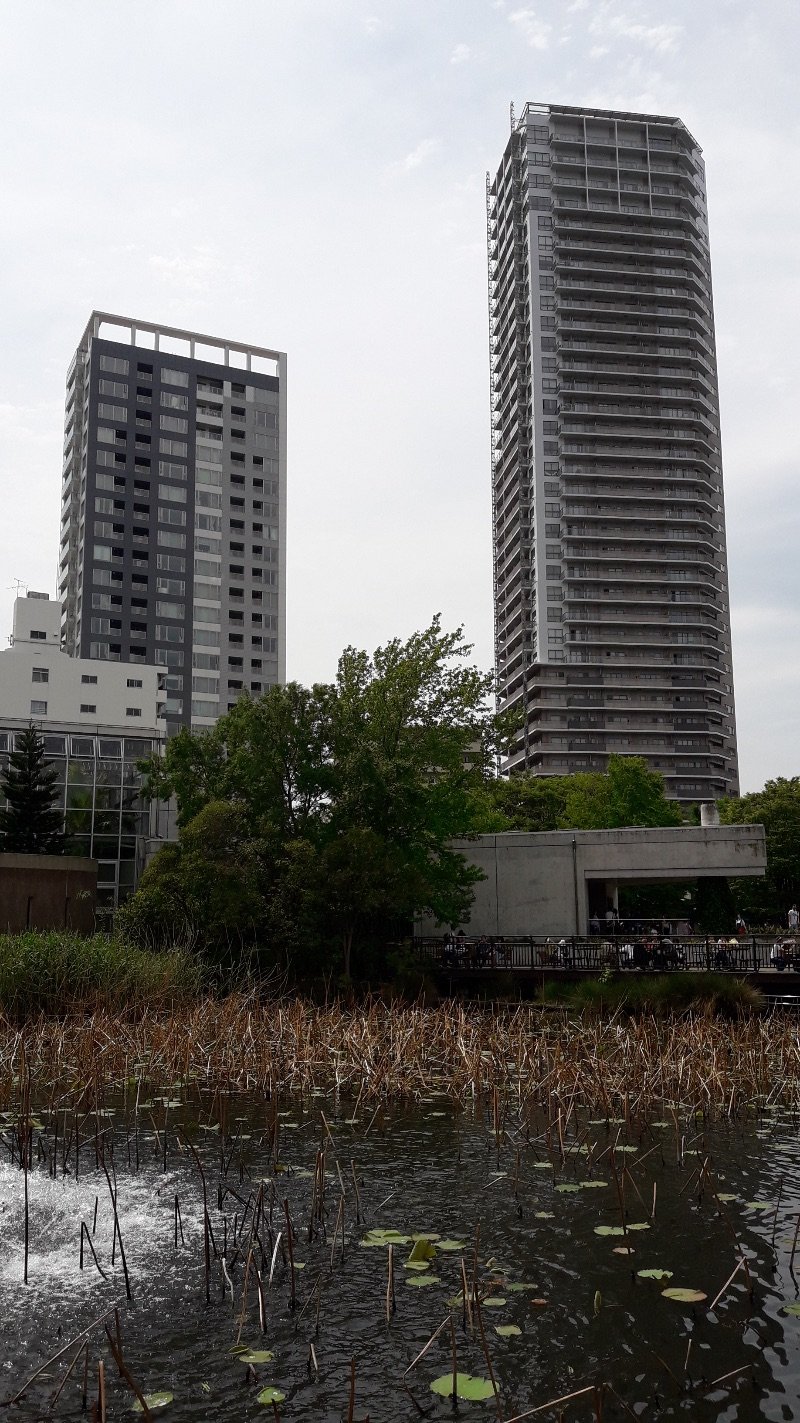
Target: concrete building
610, 570
551, 882
97, 720
173, 526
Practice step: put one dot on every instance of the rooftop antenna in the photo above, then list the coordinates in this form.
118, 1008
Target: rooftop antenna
17, 586
512, 115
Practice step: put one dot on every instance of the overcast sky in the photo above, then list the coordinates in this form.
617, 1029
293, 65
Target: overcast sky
309, 175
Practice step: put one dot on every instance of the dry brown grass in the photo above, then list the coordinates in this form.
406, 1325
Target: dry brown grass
387, 1052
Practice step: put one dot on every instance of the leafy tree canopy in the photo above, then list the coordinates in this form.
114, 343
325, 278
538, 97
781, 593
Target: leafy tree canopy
348, 794
777, 808
627, 794
32, 823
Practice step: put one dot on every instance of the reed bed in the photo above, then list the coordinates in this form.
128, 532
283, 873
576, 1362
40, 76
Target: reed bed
385, 1052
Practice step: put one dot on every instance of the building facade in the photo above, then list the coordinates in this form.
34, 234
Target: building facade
173, 526
97, 721
612, 621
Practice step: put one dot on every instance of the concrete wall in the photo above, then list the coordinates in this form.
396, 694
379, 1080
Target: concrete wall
538, 883
47, 892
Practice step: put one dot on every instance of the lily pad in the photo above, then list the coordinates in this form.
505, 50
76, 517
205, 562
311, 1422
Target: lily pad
416, 1264
545, 1215
468, 1387
451, 1245
426, 1235
153, 1400
639, 1225
423, 1280
759, 1205
655, 1274
725, 1196
593, 1185
493, 1302
270, 1394
514, 1289
422, 1251
684, 1296
256, 1356
542, 1166
567, 1188
624, 1250
608, 1230
385, 1237
506, 1331
793, 1308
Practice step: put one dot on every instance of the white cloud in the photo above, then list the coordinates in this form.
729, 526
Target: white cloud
191, 269
372, 24
609, 23
537, 32
419, 155
577, 5
460, 54
598, 50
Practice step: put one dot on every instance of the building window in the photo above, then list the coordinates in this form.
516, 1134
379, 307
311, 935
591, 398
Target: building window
88, 708
133, 711
88, 678
172, 377
174, 402
115, 365
40, 674
38, 708
134, 682
37, 636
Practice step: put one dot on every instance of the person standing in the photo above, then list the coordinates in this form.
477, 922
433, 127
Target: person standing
794, 919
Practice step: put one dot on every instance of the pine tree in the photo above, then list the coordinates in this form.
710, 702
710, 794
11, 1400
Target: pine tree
31, 823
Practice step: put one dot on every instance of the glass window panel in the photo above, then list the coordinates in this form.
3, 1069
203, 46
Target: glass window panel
106, 823
80, 798
107, 797
109, 773
78, 822
107, 872
130, 828
110, 748
80, 772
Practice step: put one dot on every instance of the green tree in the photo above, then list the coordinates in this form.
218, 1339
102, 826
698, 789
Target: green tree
205, 889
32, 823
350, 793
628, 793
777, 808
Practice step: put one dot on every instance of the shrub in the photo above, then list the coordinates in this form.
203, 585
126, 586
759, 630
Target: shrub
59, 973
669, 994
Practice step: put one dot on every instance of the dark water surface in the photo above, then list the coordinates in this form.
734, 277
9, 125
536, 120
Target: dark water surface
586, 1316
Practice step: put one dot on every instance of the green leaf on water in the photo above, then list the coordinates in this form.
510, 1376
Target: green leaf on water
506, 1331
593, 1185
759, 1205
608, 1230
385, 1237
493, 1302
725, 1196
256, 1356
468, 1387
545, 1215
566, 1188
793, 1308
270, 1394
513, 1289
415, 1264
684, 1296
639, 1225
422, 1251
655, 1274
153, 1400
451, 1245
423, 1280
542, 1165
425, 1235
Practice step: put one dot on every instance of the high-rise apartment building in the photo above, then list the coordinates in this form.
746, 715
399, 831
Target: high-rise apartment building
173, 528
610, 573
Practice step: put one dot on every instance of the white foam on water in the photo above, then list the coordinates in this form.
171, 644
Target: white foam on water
56, 1207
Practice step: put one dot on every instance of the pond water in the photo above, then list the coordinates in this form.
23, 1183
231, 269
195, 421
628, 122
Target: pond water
548, 1253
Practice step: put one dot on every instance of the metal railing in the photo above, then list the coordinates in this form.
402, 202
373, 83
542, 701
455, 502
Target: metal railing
622, 952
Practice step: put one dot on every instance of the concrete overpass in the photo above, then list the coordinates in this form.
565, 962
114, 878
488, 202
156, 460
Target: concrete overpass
551, 882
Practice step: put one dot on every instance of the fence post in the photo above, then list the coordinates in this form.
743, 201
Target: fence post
708, 954
755, 955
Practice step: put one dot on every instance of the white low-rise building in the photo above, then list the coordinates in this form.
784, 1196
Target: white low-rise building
39, 682
98, 720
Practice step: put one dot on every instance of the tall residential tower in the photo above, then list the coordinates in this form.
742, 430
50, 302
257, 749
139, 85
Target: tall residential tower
173, 525
610, 571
